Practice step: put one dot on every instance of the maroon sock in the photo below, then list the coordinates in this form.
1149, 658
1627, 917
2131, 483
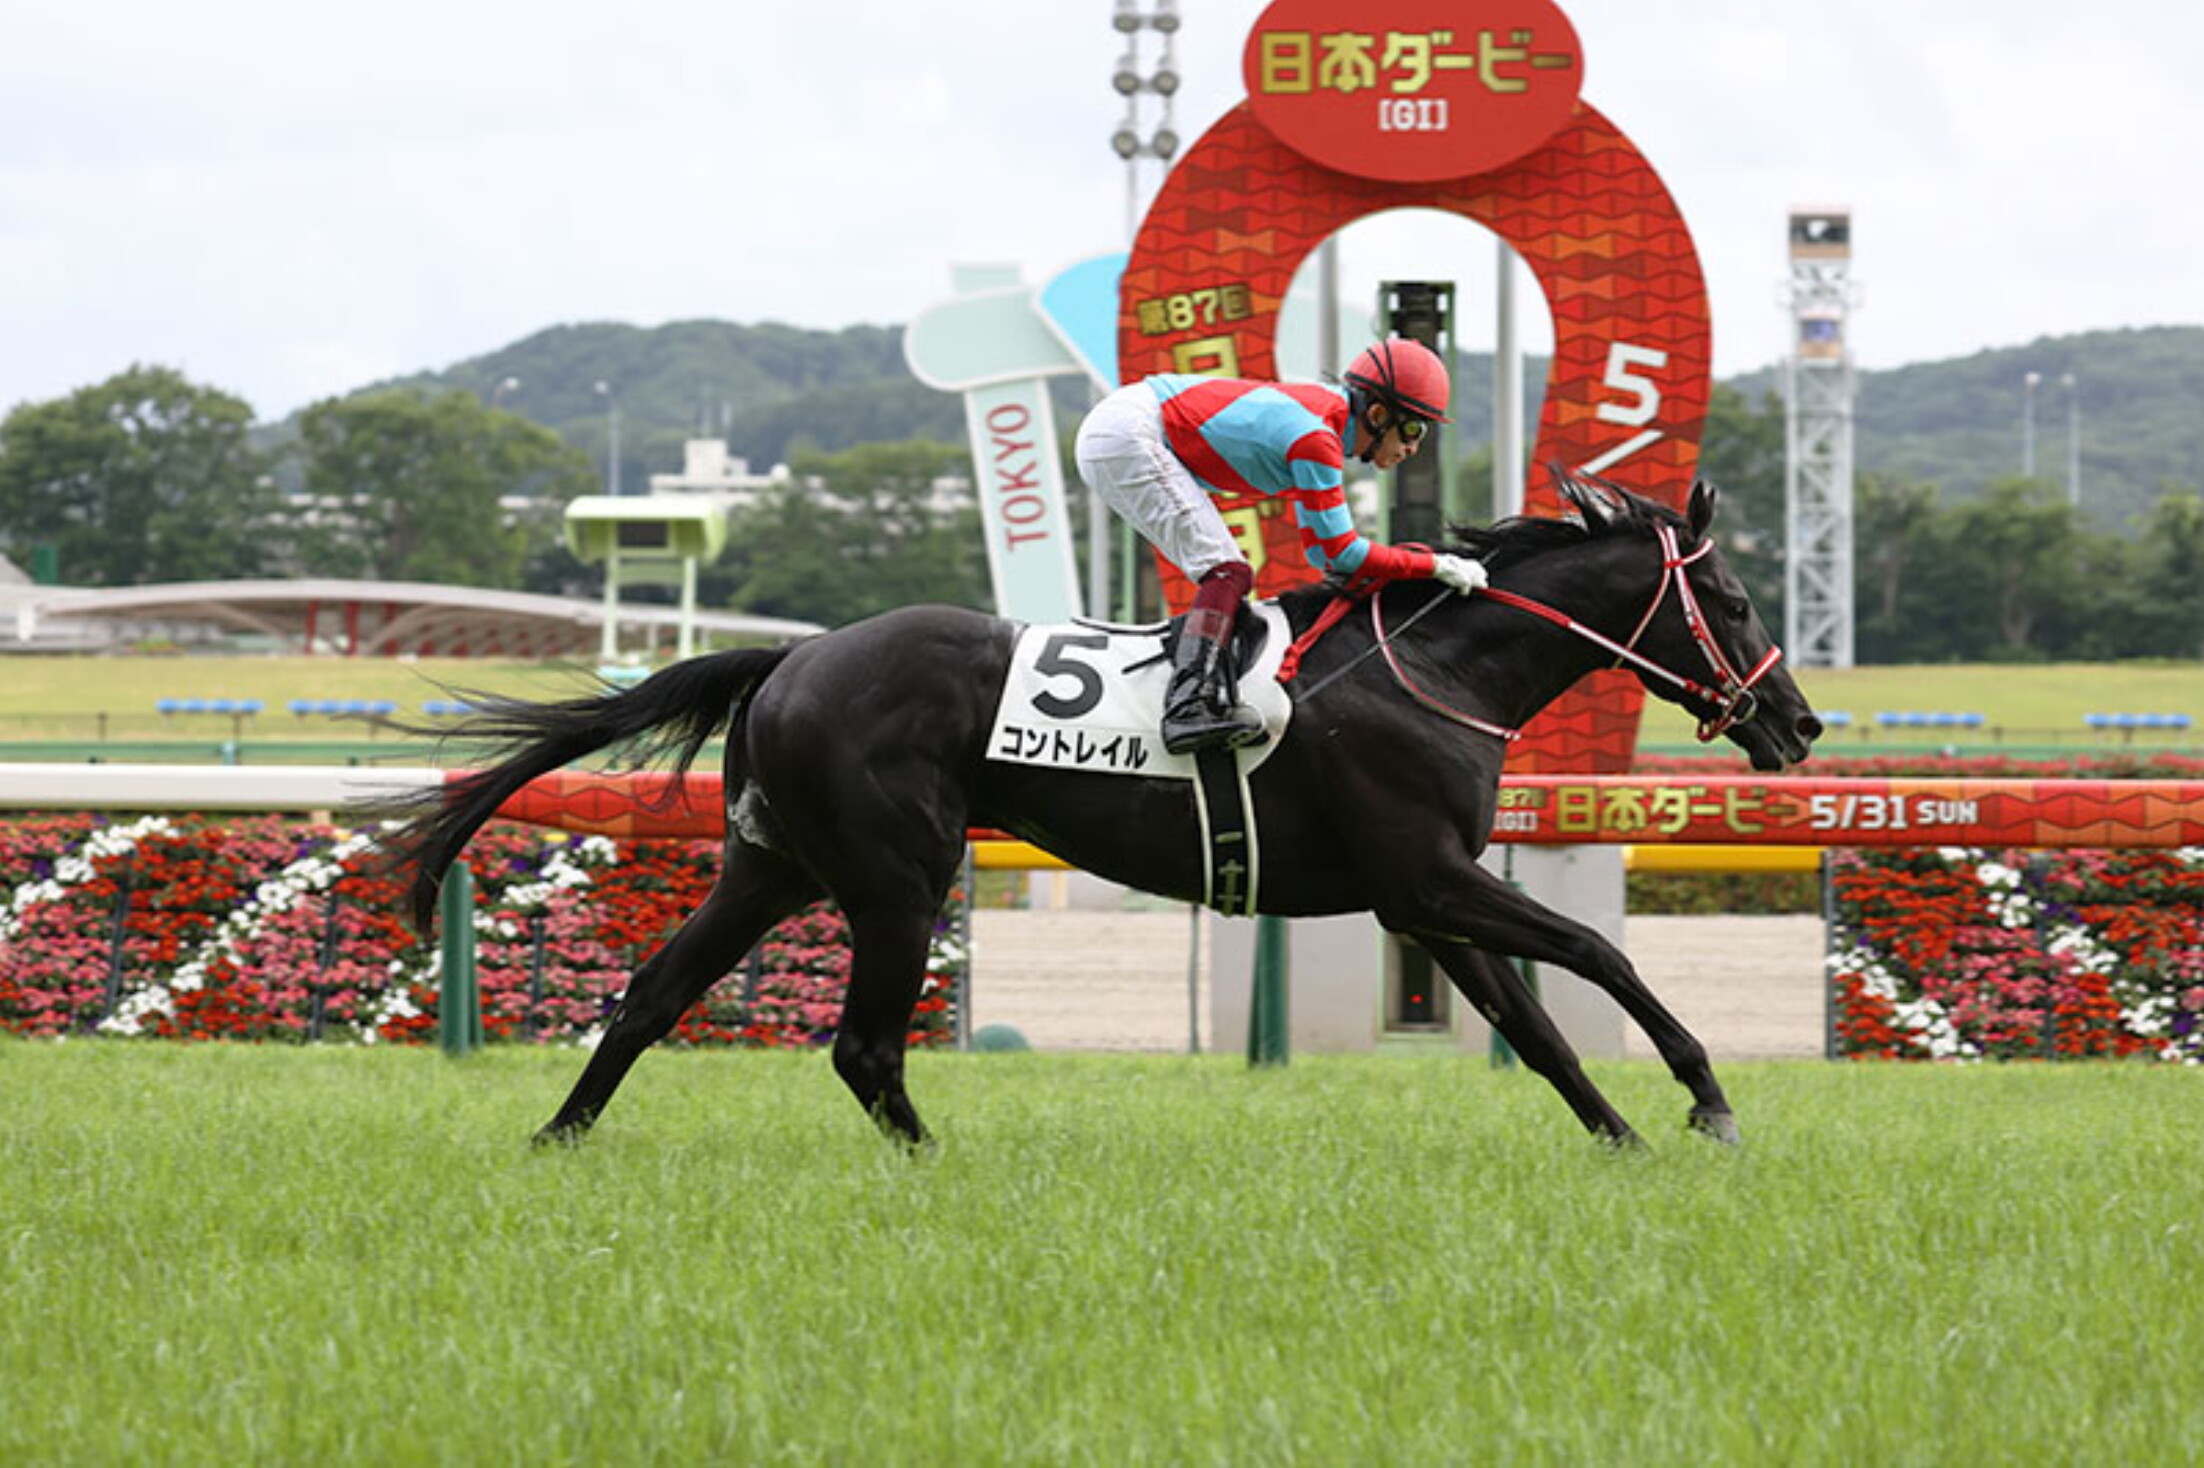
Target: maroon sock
1217, 598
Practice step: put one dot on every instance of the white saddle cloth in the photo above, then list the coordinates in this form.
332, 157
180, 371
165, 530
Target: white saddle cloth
1089, 696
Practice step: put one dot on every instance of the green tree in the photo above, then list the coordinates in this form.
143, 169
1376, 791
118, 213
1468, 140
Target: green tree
2169, 574
855, 533
403, 486
2016, 548
1891, 519
145, 477
1741, 453
2108, 614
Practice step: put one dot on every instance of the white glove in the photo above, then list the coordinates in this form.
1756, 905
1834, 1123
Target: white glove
1459, 572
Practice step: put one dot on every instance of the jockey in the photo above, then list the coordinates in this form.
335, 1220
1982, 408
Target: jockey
1157, 450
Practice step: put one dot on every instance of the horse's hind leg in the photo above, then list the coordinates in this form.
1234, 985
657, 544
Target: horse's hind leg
755, 890
887, 973
1491, 984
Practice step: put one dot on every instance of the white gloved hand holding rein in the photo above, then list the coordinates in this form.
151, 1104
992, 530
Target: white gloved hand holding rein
1458, 572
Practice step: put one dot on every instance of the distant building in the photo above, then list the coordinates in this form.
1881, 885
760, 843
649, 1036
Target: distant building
708, 469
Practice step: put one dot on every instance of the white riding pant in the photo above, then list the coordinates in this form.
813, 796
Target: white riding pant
1125, 458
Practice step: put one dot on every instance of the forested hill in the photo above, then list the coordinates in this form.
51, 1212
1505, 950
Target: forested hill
1957, 424
766, 388
763, 388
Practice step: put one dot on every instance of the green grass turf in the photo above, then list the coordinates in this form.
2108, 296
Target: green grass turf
2032, 703
50, 698
280, 1255
82, 685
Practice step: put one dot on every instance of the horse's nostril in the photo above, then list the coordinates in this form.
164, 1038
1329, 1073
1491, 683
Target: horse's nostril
1809, 728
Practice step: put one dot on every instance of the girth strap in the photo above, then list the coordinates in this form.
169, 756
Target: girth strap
1229, 859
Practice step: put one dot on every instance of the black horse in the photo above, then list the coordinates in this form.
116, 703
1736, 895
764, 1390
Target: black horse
856, 763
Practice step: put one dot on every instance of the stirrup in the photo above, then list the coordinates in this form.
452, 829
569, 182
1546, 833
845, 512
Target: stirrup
1189, 731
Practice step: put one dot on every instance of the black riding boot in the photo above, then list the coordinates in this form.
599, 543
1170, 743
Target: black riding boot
1202, 708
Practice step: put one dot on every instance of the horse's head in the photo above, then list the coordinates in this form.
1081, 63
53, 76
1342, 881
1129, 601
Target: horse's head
1698, 642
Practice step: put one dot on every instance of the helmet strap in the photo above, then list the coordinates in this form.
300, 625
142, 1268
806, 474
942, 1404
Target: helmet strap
1359, 402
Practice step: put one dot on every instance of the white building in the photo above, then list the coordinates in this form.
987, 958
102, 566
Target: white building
708, 469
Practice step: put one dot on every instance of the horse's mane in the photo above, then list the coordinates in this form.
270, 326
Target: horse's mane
1521, 537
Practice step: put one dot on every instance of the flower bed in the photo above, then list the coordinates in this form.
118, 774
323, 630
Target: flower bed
267, 928
1956, 953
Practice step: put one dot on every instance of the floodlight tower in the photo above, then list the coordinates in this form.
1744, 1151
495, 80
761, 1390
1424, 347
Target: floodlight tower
1817, 460
1128, 19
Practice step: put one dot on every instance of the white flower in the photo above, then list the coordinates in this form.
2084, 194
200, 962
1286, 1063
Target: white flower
2080, 945
2005, 890
1928, 1022
133, 1009
1875, 978
2149, 1015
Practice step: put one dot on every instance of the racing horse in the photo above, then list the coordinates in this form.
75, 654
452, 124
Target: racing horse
856, 762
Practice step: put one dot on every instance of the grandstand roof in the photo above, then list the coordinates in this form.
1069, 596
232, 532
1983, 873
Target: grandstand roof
364, 618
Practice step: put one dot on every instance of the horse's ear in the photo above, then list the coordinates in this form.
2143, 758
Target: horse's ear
1593, 502
1704, 497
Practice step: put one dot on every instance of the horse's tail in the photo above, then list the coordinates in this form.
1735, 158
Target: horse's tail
672, 712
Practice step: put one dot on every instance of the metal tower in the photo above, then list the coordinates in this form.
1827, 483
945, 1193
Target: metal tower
1817, 460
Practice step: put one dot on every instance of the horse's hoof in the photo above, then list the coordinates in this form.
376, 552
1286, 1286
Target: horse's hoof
1721, 1126
558, 1136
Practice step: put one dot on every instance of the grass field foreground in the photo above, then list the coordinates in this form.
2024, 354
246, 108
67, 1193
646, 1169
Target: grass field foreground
218, 1254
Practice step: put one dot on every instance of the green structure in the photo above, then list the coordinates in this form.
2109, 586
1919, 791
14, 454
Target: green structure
647, 540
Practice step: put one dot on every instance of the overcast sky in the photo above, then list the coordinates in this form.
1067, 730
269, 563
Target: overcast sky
289, 200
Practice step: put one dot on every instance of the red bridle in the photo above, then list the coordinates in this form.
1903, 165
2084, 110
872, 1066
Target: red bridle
1730, 694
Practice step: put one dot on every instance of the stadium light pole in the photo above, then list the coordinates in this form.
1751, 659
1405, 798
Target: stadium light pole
612, 457
1128, 20
2073, 387
2028, 384
1162, 144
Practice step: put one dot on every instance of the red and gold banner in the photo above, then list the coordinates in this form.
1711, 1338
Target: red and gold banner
1786, 810
1791, 810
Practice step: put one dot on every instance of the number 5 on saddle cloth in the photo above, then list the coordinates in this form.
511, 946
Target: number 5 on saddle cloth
1089, 696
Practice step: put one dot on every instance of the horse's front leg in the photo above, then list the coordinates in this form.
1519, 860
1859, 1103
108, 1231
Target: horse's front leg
1501, 919
1493, 987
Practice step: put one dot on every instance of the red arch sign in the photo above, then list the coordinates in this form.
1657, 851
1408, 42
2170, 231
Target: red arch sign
1627, 395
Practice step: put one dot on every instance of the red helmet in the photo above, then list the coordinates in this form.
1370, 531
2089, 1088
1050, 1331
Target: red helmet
1405, 375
